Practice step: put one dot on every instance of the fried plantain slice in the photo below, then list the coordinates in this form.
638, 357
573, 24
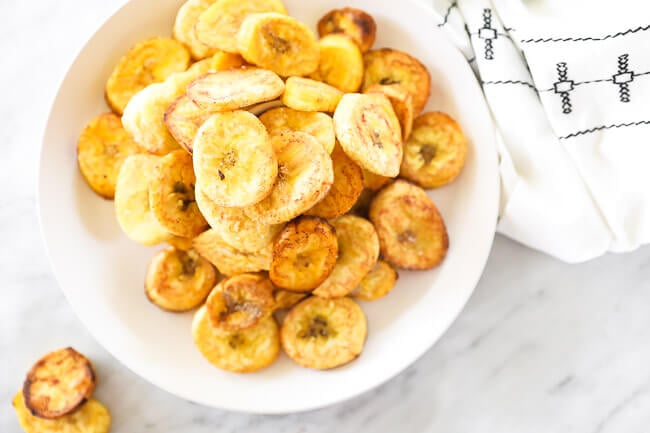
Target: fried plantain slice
179, 280
184, 27
132, 204
235, 88
102, 148
340, 64
320, 125
324, 333
369, 132
91, 417
240, 351
305, 94
279, 43
58, 384
304, 254
234, 159
354, 23
387, 66
374, 182
377, 283
402, 104
218, 25
149, 61
362, 205
435, 153
286, 299
305, 175
228, 260
412, 234
171, 195
183, 119
358, 253
346, 189
179, 242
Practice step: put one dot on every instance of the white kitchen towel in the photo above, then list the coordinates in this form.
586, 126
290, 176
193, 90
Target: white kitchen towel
568, 84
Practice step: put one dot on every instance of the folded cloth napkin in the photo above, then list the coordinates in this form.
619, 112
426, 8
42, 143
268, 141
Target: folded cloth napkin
568, 84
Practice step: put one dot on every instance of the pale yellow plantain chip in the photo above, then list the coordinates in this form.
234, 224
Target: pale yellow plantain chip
183, 119
102, 148
279, 43
374, 182
324, 333
341, 63
218, 25
354, 23
305, 94
184, 27
320, 125
286, 299
184, 244
377, 283
228, 260
240, 351
149, 61
402, 104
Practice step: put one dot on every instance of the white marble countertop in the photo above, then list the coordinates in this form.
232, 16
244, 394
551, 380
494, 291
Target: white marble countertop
541, 346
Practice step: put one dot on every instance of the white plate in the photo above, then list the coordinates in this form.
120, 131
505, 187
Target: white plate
101, 272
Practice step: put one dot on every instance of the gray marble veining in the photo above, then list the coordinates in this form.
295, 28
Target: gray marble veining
541, 346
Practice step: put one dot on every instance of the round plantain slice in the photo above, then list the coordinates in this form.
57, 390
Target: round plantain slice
304, 254
304, 94
240, 302
412, 234
369, 132
402, 104
235, 226
387, 66
324, 333
240, 351
358, 253
179, 280
305, 175
346, 189
149, 61
102, 148
184, 244
183, 119
132, 204
184, 27
91, 417
228, 260
354, 23
435, 153
171, 195
374, 181
377, 283
279, 43
58, 384
219, 24
235, 88
320, 125
341, 63
234, 159
286, 299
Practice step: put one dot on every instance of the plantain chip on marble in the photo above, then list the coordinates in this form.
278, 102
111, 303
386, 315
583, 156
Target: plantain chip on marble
235, 88
229, 260
172, 197
240, 302
324, 333
219, 24
91, 417
402, 104
304, 254
132, 202
183, 119
435, 153
387, 66
234, 160
344, 192
340, 64
184, 27
286, 299
358, 253
240, 351
179, 280
354, 23
412, 234
149, 61
369, 132
279, 43
305, 176
58, 384
305, 94
102, 148
377, 283
320, 125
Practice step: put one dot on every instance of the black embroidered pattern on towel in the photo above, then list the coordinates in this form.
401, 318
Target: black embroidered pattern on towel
600, 128
488, 34
623, 78
453, 4
587, 38
524, 83
563, 86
